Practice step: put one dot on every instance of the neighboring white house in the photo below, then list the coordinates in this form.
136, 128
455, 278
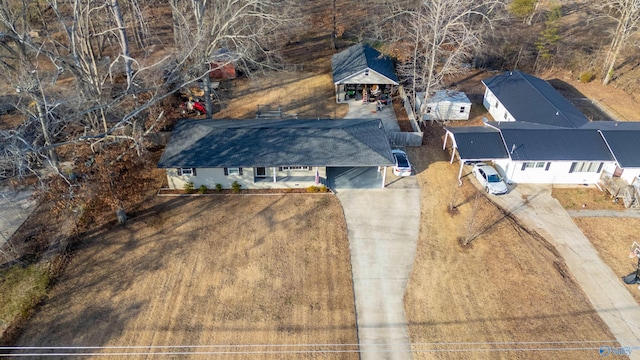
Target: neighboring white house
444, 105
263, 153
535, 155
517, 96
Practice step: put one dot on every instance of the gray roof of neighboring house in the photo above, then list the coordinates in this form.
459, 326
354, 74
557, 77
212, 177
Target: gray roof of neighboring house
530, 99
625, 146
479, 143
359, 57
264, 143
556, 145
612, 125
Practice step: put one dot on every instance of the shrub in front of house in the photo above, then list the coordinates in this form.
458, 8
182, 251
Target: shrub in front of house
236, 187
188, 187
218, 187
202, 189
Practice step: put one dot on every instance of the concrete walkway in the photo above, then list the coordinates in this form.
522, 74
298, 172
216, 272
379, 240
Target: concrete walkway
383, 231
604, 213
604, 289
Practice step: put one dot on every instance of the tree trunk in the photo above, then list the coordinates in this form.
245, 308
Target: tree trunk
44, 123
124, 42
612, 63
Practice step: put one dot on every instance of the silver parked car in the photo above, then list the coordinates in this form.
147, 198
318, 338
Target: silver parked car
489, 179
402, 166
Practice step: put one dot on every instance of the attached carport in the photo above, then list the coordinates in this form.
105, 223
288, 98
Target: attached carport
475, 143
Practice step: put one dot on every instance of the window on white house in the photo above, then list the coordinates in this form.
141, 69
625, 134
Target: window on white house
462, 108
505, 116
586, 166
295, 168
187, 171
233, 171
535, 165
496, 103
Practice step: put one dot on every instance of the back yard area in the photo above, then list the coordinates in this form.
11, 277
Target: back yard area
247, 272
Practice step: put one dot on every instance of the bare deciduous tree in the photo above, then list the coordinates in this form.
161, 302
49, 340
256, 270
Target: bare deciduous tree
626, 13
443, 36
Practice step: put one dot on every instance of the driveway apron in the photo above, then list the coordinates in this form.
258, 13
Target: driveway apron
383, 231
534, 206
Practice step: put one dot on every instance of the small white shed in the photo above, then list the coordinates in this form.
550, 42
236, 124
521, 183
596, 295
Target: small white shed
444, 105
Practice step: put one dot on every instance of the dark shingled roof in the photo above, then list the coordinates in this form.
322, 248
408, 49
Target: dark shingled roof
530, 99
479, 143
359, 57
625, 145
250, 143
556, 145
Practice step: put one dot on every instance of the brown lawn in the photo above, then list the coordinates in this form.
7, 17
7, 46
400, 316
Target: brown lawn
507, 286
612, 237
208, 271
585, 198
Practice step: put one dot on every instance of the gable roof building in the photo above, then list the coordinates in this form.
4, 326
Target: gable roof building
272, 153
249, 143
517, 96
362, 64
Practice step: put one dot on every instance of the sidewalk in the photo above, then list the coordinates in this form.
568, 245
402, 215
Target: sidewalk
534, 207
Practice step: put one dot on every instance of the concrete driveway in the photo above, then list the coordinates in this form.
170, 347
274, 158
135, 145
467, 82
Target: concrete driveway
534, 207
383, 231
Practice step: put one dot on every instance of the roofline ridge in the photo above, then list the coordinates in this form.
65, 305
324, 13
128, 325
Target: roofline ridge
558, 112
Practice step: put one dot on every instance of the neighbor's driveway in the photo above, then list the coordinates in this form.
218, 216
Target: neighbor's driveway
383, 232
603, 287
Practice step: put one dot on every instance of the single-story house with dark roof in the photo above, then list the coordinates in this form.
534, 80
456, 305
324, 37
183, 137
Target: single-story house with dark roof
534, 154
517, 96
359, 68
623, 139
271, 153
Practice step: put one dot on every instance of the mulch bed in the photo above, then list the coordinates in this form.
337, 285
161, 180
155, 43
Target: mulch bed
176, 192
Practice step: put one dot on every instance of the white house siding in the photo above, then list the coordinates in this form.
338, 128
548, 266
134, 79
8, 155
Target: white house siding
495, 107
212, 176
630, 174
367, 76
557, 173
443, 107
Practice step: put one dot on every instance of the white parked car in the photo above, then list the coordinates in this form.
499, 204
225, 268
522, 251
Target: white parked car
489, 179
402, 166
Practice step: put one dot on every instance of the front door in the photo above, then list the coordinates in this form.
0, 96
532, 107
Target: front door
261, 172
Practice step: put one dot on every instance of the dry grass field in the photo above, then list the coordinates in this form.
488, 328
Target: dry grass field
585, 198
506, 286
612, 237
218, 270
307, 94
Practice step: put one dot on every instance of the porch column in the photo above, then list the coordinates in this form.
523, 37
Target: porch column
384, 177
444, 144
460, 173
273, 169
